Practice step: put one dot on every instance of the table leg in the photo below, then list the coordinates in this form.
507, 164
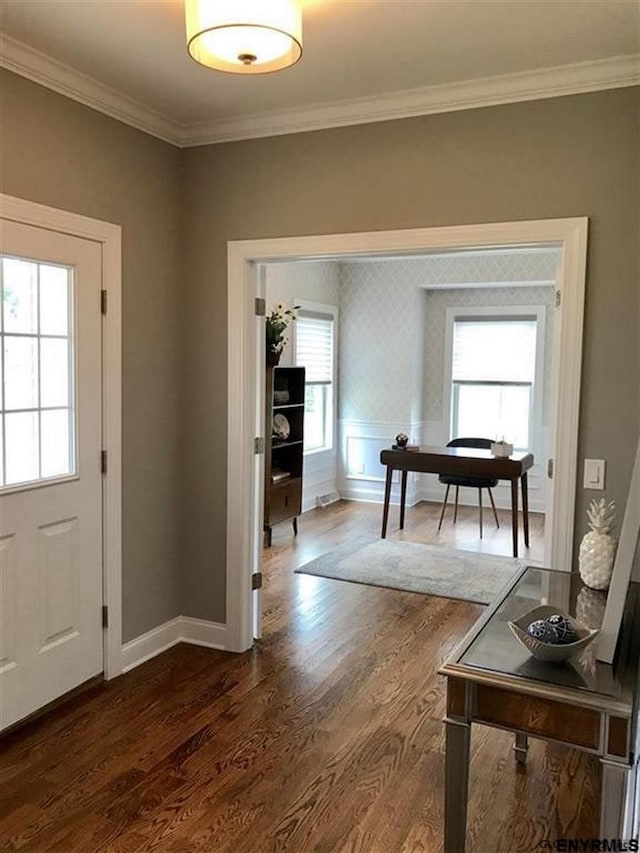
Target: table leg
525, 508
618, 801
514, 514
521, 747
403, 498
387, 496
456, 786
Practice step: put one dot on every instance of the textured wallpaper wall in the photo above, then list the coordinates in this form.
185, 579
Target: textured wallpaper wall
435, 307
387, 335
380, 373
309, 281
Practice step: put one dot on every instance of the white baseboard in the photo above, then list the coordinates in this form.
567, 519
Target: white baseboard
182, 629
199, 632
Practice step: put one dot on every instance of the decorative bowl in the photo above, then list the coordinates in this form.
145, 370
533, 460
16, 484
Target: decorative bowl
550, 652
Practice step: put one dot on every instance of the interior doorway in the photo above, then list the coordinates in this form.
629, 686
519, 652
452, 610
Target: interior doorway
246, 282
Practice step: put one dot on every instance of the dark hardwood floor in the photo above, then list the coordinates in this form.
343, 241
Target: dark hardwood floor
327, 736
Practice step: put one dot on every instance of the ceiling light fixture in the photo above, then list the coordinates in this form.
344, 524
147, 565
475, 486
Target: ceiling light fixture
244, 36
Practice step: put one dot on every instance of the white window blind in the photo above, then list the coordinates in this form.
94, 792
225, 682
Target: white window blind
314, 347
494, 350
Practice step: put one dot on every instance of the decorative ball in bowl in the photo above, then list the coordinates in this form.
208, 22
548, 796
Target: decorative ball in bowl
550, 635
401, 439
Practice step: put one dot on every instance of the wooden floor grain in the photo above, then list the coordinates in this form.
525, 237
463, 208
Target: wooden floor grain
326, 737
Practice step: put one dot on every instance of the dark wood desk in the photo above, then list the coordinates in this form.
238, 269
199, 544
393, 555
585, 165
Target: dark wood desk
465, 461
591, 706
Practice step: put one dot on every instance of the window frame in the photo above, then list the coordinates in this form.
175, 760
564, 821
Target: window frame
327, 311
506, 313
72, 376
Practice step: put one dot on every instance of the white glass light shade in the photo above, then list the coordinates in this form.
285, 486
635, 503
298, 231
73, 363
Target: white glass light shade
244, 36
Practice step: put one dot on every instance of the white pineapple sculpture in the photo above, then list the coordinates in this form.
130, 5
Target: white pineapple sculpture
598, 547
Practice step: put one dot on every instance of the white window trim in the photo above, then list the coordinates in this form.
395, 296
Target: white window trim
506, 311
330, 311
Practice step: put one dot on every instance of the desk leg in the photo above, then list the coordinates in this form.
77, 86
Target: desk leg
403, 498
525, 508
456, 786
618, 801
387, 496
514, 514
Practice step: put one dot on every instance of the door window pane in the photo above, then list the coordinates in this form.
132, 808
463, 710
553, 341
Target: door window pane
20, 372
36, 372
20, 296
54, 380
54, 300
56, 455
21, 447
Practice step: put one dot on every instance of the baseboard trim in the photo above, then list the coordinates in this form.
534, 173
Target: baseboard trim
182, 629
200, 632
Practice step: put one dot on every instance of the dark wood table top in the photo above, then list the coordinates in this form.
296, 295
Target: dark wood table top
458, 460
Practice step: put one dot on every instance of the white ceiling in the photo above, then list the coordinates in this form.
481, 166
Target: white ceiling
363, 60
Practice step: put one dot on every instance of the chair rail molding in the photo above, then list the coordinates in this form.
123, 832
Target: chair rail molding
244, 262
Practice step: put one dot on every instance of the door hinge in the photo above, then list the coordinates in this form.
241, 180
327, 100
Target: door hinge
261, 307
258, 445
105, 616
550, 469
103, 301
558, 298
256, 581
103, 461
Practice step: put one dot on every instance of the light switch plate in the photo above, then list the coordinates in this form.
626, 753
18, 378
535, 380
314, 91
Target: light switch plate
594, 473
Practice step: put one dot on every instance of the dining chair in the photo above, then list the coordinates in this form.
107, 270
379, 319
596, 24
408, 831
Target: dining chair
478, 483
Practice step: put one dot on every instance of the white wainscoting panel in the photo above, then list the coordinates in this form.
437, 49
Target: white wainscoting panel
319, 477
361, 477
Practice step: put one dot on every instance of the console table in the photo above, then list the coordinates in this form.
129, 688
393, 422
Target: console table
465, 461
591, 706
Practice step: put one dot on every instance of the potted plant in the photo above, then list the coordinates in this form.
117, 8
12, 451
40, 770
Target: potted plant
277, 323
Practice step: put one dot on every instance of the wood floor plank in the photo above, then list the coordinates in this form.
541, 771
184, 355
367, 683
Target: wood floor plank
327, 736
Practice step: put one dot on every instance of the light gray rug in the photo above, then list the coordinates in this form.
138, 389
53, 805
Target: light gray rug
428, 569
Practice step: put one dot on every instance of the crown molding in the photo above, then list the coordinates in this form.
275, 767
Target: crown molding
34, 65
613, 73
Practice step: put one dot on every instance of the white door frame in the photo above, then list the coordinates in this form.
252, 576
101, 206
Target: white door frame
110, 238
569, 235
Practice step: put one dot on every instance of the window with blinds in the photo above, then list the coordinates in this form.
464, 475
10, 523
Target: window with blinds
315, 351
493, 374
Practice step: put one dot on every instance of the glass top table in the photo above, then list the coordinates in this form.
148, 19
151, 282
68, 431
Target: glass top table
492, 680
495, 648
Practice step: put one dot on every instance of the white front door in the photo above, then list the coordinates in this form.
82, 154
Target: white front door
50, 474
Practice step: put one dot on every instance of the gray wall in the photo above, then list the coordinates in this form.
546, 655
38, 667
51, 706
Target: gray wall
570, 156
59, 153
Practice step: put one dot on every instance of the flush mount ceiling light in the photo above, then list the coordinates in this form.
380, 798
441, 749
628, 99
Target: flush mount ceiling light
244, 36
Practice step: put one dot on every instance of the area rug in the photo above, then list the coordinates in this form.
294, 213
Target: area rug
427, 569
